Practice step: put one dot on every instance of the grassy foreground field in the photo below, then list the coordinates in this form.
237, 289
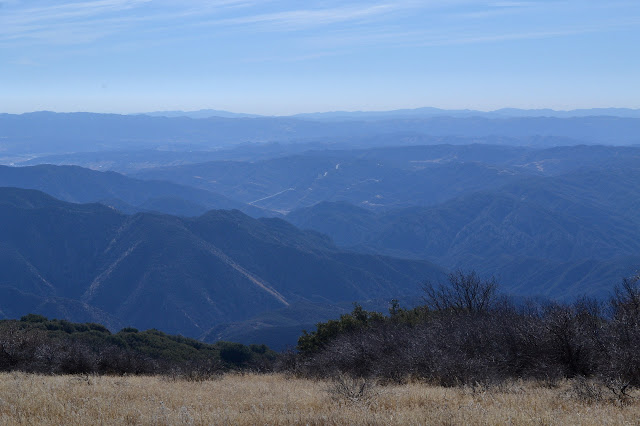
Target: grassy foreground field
27, 399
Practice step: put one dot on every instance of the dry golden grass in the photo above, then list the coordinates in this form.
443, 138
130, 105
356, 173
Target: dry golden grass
274, 399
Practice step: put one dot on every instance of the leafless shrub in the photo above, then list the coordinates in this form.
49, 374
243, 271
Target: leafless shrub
619, 391
203, 371
288, 363
345, 388
465, 292
549, 382
586, 391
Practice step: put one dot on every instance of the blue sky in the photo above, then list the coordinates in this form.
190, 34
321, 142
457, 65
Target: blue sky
283, 57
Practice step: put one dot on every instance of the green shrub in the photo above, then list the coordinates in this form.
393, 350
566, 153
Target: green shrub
235, 353
33, 318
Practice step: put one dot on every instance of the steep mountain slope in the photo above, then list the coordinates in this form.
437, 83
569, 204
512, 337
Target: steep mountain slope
277, 329
177, 274
280, 329
79, 185
583, 221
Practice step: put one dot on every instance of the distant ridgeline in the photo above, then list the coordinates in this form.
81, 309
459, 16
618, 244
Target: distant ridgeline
68, 132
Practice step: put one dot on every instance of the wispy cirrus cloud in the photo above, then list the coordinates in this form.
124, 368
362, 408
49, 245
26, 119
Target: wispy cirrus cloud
457, 33
526, 35
79, 22
513, 4
304, 18
408, 22
74, 22
97, 18
68, 11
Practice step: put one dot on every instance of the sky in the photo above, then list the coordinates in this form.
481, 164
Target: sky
284, 57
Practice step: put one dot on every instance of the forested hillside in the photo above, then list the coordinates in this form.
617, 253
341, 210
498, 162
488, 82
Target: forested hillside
40, 345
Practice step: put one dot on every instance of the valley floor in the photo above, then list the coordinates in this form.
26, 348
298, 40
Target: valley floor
27, 399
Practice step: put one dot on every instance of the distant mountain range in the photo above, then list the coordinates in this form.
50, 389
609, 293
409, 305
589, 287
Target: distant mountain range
416, 112
54, 133
202, 113
90, 262
466, 113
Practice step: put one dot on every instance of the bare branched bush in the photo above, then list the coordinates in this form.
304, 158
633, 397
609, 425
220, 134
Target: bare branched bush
345, 388
620, 391
586, 391
465, 292
196, 371
467, 335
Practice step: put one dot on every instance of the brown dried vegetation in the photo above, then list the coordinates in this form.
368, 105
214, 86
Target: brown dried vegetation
249, 399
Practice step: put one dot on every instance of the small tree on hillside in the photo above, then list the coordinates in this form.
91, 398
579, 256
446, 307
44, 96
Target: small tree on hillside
464, 292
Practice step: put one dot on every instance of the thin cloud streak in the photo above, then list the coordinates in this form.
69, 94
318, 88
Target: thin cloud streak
92, 20
514, 4
398, 38
356, 24
37, 23
306, 18
529, 35
70, 11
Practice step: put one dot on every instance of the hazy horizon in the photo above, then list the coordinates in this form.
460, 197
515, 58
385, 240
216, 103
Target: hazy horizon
281, 57
240, 112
